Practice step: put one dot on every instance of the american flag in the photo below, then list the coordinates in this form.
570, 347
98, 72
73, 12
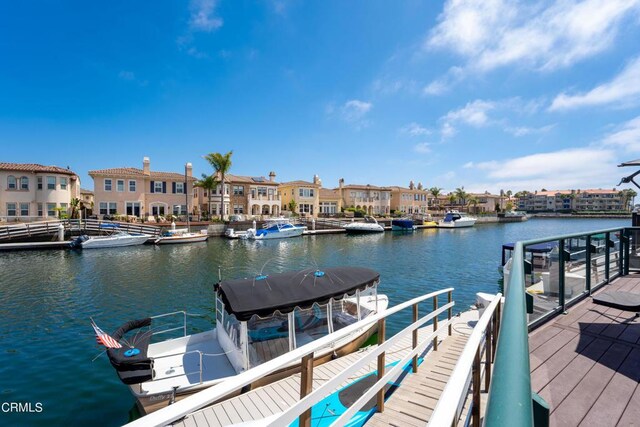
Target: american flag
104, 338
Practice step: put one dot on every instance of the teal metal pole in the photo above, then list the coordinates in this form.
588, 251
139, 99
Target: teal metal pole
561, 274
587, 264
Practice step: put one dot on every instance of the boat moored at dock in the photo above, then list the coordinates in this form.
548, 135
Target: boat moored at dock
370, 225
276, 228
455, 219
257, 320
402, 224
113, 240
181, 235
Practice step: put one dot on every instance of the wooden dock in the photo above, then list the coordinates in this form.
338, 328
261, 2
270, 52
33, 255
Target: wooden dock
279, 396
34, 245
586, 364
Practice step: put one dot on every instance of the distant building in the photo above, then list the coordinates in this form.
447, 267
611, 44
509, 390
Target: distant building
330, 202
487, 202
573, 200
244, 195
306, 196
142, 192
31, 191
411, 200
372, 199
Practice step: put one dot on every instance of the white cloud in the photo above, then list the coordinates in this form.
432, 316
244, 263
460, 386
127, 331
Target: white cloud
624, 88
354, 111
203, 16
193, 51
523, 130
541, 35
474, 113
627, 137
414, 129
468, 165
447, 130
422, 148
436, 87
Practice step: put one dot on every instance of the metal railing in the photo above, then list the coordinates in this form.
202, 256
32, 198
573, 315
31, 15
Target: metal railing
304, 355
482, 342
510, 396
173, 313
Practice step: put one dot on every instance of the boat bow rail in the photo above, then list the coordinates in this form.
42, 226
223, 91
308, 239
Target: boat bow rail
305, 354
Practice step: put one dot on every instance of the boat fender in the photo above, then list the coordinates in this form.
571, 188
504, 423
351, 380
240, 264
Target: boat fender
319, 273
131, 352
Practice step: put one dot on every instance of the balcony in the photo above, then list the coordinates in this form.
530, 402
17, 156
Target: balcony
264, 198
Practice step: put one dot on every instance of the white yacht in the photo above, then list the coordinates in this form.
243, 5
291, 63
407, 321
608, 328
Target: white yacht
256, 320
181, 235
276, 228
455, 219
116, 239
370, 225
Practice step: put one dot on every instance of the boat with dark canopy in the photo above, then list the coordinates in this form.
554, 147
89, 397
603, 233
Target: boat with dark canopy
257, 320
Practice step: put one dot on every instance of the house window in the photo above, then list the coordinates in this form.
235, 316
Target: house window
40, 209
157, 186
51, 183
328, 207
11, 209
120, 185
51, 209
238, 209
179, 209
262, 191
11, 183
108, 208
132, 208
238, 190
24, 209
63, 183
305, 192
180, 187
132, 186
24, 183
157, 210
306, 208
39, 183
107, 184
63, 206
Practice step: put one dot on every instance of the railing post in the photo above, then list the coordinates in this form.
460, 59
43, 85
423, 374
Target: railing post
450, 310
381, 363
561, 274
627, 250
621, 242
414, 334
487, 357
435, 323
607, 236
587, 264
306, 386
475, 410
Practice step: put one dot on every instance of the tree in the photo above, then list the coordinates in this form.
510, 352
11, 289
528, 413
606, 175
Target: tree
435, 192
75, 202
462, 195
452, 198
473, 200
209, 183
292, 206
632, 195
221, 163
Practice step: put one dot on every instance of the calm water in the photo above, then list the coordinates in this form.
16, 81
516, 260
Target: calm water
46, 342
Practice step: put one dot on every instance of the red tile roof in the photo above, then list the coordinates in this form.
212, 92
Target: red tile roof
35, 168
135, 172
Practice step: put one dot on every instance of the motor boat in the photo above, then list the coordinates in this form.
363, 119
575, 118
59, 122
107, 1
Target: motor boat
256, 320
455, 219
370, 225
181, 235
116, 239
403, 224
231, 233
276, 228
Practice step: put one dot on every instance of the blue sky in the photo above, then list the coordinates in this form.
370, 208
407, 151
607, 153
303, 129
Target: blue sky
488, 95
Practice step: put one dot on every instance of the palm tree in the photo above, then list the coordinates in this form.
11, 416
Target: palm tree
209, 183
435, 192
473, 200
221, 163
452, 198
632, 195
461, 195
75, 202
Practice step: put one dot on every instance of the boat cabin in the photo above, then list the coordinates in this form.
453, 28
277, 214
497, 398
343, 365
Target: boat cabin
261, 318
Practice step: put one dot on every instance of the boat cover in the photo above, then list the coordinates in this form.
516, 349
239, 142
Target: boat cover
132, 366
265, 294
537, 248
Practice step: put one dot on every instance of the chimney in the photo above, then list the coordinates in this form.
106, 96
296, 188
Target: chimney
411, 186
341, 183
189, 169
272, 176
317, 180
146, 169
420, 186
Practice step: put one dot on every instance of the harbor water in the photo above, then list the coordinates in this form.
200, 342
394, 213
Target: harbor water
47, 298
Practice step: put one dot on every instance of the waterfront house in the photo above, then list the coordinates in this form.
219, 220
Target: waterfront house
141, 192
330, 202
487, 202
411, 200
31, 191
372, 199
573, 200
243, 195
306, 196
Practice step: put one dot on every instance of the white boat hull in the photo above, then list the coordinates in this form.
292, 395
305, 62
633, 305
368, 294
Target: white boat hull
282, 234
96, 242
358, 227
460, 223
182, 238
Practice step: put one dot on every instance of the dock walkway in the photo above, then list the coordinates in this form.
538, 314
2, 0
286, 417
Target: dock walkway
586, 364
281, 395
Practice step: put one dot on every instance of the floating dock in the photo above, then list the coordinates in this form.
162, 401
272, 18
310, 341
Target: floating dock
34, 245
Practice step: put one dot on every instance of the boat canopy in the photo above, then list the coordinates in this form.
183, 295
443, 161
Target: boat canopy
537, 248
283, 292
